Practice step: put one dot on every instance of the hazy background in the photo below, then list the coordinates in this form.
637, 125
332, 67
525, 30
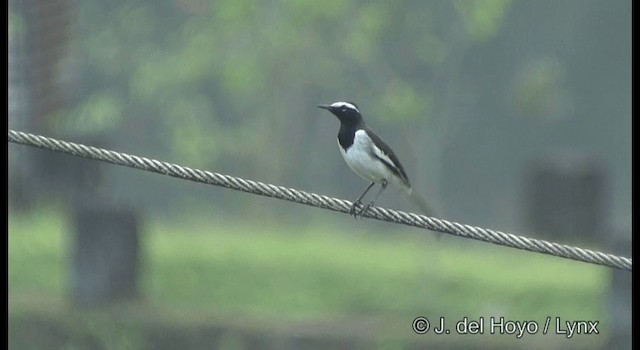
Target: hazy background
477, 98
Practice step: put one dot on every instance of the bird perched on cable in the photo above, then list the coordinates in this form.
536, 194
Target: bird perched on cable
368, 156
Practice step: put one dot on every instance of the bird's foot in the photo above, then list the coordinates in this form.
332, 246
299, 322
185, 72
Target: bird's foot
361, 212
354, 209
365, 208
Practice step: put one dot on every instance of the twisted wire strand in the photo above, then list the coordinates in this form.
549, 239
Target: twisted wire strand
320, 201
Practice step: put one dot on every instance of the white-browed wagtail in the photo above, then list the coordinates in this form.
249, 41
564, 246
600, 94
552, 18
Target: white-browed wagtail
368, 156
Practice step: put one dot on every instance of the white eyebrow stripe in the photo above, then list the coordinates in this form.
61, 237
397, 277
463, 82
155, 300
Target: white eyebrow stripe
345, 104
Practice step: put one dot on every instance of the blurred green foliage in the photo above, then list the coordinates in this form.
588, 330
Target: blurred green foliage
205, 74
482, 17
231, 86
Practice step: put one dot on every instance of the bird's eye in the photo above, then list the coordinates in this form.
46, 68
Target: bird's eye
344, 109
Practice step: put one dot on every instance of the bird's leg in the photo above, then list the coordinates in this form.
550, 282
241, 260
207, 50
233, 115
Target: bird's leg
366, 207
358, 201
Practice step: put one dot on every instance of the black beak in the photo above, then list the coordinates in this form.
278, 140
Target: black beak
327, 107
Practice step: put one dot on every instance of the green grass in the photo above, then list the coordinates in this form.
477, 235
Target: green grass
203, 266
312, 270
37, 253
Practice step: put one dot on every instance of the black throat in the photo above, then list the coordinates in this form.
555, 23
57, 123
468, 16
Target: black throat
347, 132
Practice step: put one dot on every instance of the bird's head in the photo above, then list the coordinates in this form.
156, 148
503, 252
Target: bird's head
347, 112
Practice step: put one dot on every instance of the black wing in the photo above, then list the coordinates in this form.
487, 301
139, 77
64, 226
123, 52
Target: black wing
396, 167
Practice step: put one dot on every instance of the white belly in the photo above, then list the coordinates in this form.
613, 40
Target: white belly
360, 160
362, 164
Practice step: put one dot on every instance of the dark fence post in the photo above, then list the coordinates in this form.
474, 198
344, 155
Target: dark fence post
105, 254
565, 198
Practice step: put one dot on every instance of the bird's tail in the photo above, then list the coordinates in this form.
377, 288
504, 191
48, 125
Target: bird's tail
422, 204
